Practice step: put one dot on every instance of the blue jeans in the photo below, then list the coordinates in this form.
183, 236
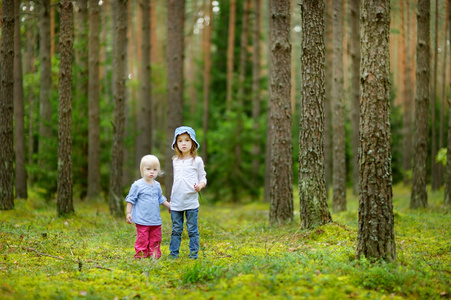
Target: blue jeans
177, 229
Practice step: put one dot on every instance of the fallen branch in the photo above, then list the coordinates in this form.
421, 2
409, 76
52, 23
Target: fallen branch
80, 263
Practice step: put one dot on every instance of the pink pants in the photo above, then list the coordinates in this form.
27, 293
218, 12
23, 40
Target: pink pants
148, 240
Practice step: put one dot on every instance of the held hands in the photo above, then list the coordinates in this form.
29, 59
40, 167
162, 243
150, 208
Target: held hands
199, 186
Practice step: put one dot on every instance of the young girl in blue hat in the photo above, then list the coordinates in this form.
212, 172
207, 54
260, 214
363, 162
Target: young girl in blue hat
189, 179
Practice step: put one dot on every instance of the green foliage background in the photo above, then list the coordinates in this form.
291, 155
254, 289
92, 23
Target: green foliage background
90, 255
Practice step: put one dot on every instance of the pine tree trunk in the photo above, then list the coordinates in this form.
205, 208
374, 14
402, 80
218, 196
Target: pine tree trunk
419, 196
94, 101
119, 63
175, 50
434, 166
281, 181
19, 125
339, 151
328, 99
145, 112
447, 200
29, 58
7, 106
80, 143
256, 98
207, 77
230, 56
312, 182
354, 20
45, 106
64, 201
408, 99
443, 98
376, 238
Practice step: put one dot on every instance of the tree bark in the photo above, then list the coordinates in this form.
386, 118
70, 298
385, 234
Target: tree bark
80, 143
339, 142
64, 200
119, 62
19, 114
376, 238
312, 182
328, 101
175, 56
447, 200
281, 181
45, 106
7, 107
93, 101
145, 113
230, 56
434, 166
256, 98
443, 98
408, 96
208, 30
354, 20
419, 196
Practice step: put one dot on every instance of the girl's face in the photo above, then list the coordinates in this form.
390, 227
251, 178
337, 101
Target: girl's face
149, 172
184, 143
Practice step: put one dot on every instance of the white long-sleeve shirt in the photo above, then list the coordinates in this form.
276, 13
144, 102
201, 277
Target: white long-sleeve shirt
187, 173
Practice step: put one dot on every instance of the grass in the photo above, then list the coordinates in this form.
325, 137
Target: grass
89, 255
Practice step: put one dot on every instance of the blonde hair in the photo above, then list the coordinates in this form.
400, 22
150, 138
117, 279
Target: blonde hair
152, 161
193, 150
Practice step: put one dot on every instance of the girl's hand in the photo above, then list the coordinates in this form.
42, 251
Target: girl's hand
199, 186
129, 218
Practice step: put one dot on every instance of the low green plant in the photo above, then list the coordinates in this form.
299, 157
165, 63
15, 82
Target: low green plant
89, 255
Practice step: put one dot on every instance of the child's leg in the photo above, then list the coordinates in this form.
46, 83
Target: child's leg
176, 236
154, 242
193, 232
142, 241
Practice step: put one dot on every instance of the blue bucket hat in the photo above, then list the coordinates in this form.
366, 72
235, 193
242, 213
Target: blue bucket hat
184, 129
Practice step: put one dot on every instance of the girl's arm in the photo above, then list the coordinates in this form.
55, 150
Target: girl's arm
201, 175
129, 213
167, 205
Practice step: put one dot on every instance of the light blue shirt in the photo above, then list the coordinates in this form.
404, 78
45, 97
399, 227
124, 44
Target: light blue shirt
146, 200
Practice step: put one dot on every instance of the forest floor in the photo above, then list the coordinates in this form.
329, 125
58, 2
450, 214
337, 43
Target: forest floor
89, 255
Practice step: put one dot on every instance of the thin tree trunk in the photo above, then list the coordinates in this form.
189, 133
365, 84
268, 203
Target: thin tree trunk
376, 239
328, 100
419, 196
20, 148
208, 30
339, 152
240, 97
281, 181
447, 200
30, 34
442, 103
434, 167
80, 143
145, 113
119, 62
7, 107
354, 20
312, 182
408, 98
256, 98
175, 50
64, 201
230, 50
45, 106
93, 101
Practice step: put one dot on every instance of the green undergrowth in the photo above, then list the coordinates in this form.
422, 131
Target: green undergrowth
89, 255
